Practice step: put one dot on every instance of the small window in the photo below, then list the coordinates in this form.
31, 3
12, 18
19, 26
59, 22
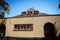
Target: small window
15, 27
29, 13
23, 27
36, 12
23, 13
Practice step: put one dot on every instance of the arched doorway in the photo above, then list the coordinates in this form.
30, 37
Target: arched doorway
2, 30
49, 30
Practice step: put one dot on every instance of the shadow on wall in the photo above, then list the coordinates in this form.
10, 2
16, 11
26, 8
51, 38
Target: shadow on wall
59, 36
2, 30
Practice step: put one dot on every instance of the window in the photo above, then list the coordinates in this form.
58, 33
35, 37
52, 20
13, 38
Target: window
29, 13
23, 27
23, 13
36, 12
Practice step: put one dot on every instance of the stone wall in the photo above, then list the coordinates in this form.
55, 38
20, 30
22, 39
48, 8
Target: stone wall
38, 25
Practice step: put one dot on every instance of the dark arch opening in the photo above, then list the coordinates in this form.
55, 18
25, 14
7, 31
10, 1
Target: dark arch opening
49, 30
2, 30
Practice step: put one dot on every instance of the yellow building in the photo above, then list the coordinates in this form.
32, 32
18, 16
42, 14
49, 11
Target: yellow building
32, 23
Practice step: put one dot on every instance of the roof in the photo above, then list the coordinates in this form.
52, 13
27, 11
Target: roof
25, 13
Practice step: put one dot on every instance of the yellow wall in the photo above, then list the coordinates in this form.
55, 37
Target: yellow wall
38, 25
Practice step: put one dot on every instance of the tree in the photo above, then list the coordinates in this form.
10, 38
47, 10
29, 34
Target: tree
59, 4
4, 8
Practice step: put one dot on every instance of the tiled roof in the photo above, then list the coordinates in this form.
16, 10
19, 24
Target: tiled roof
33, 10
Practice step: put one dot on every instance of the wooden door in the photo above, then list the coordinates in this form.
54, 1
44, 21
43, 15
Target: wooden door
49, 30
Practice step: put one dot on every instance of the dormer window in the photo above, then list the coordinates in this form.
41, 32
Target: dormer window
29, 13
36, 12
23, 13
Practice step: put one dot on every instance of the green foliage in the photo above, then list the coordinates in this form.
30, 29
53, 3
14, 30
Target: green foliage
2, 15
1, 34
4, 8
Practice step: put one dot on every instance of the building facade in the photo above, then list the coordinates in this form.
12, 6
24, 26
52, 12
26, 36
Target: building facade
32, 23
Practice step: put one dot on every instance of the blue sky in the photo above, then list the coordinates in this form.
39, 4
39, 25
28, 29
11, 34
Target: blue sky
45, 6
